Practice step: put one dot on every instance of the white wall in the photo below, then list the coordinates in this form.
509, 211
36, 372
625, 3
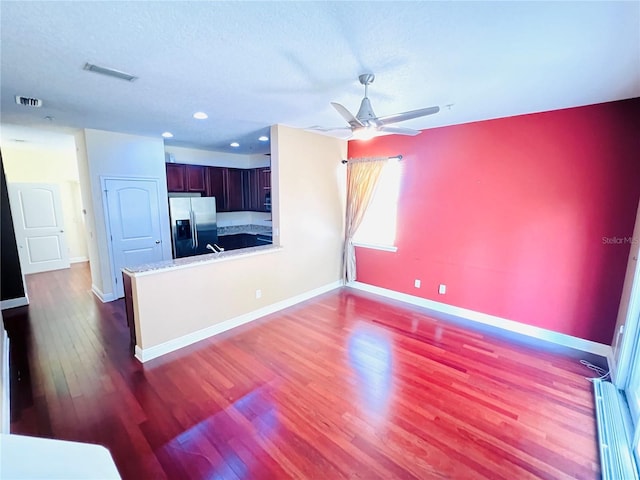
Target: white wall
51, 162
193, 156
110, 154
89, 216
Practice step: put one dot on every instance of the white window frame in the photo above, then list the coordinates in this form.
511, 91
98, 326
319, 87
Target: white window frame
389, 187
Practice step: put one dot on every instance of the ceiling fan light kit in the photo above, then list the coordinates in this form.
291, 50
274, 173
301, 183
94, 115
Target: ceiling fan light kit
366, 125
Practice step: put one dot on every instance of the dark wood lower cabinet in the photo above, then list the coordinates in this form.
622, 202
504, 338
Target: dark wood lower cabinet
240, 240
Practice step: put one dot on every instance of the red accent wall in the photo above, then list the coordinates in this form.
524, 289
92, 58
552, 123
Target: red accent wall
511, 213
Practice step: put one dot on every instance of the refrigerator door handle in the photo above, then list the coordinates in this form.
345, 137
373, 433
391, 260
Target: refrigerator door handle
193, 228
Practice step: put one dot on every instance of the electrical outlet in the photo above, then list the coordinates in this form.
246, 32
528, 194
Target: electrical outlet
442, 289
258, 293
416, 283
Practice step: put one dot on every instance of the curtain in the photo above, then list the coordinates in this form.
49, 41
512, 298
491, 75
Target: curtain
362, 177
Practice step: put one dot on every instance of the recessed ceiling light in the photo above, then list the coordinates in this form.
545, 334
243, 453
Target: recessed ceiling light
167, 135
263, 138
234, 144
200, 115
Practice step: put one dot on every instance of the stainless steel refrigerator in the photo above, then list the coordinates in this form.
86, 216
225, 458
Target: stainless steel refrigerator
193, 225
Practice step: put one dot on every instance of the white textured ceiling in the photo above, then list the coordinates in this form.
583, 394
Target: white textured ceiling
253, 64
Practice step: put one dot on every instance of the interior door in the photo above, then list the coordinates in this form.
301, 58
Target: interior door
133, 214
39, 225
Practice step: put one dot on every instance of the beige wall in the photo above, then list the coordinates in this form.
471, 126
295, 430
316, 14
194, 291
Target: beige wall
53, 162
308, 200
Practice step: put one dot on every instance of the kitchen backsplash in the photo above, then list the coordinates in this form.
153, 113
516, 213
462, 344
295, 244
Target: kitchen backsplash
229, 219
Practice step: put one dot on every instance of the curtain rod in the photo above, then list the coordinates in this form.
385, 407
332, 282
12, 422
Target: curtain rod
398, 157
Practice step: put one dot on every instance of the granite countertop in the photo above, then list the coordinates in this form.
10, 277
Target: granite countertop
211, 257
197, 260
250, 229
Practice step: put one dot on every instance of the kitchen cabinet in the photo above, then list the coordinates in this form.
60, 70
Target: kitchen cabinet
175, 177
235, 189
258, 189
216, 187
195, 176
252, 199
228, 186
264, 189
243, 240
185, 178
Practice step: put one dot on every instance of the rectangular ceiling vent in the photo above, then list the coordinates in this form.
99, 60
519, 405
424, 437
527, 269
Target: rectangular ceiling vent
110, 72
28, 101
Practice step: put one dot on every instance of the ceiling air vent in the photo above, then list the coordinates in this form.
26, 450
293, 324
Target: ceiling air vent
28, 101
109, 72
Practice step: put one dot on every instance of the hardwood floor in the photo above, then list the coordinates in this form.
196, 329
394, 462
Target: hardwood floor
342, 386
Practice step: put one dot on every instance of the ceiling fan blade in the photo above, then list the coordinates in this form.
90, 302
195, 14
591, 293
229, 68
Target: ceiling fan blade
318, 128
401, 117
399, 130
347, 115
339, 132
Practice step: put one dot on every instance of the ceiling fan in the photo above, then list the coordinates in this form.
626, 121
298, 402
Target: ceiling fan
365, 124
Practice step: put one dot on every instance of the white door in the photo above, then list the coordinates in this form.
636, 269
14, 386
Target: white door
37, 218
133, 214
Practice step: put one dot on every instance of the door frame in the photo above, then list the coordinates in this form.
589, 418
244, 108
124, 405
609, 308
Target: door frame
631, 334
107, 220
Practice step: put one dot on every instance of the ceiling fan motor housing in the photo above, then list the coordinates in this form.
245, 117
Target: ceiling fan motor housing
365, 114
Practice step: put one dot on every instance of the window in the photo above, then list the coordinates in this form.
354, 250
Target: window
378, 227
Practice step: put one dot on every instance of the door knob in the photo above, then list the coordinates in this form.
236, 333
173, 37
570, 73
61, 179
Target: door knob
61, 231
157, 242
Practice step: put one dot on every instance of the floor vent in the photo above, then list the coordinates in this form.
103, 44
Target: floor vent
614, 432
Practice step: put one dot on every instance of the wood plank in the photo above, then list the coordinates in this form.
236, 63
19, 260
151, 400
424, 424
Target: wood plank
346, 385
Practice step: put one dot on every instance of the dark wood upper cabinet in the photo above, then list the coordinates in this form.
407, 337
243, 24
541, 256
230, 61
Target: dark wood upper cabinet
175, 177
251, 190
234, 190
195, 178
216, 187
264, 189
186, 178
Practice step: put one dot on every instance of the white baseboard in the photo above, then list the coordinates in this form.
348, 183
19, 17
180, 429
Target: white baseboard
78, 259
104, 298
498, 322
14, 302
146, 354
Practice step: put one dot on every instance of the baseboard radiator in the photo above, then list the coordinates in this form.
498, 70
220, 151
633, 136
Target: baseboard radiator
615, 431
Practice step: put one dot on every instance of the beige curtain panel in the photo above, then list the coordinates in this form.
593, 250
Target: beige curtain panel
362, 177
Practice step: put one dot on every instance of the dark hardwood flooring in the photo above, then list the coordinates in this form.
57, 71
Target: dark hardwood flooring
341, 386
